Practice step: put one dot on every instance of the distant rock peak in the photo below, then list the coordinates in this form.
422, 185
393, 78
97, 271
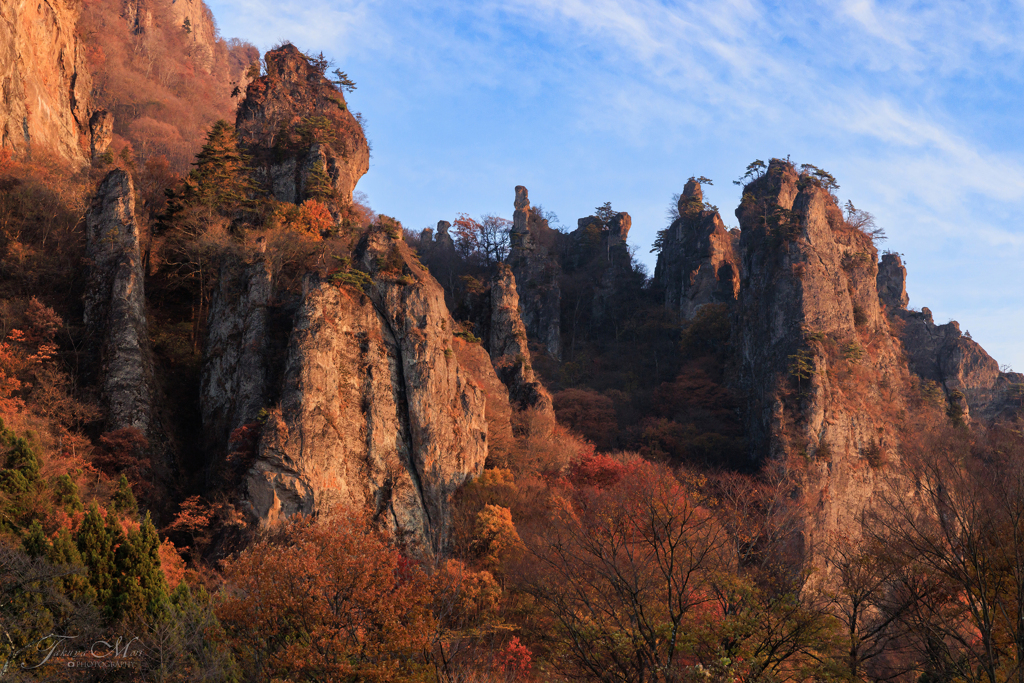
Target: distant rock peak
691, 191
699, 261
537, 271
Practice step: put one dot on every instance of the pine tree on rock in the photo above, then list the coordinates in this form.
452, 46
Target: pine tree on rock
221, 175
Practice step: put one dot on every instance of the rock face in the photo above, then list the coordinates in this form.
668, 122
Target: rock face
101, 133
298, 129
191, 16
44, 103
196, 19
699, 260
235, 378
115, 305
442, 240
941, 353
599, 249
375, 407
509, 349
475, 362
892, 282
533, 259
823, 375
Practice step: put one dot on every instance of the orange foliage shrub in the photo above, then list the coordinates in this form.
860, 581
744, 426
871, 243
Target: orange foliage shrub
588, 413
171, 563
596, 470
330, 601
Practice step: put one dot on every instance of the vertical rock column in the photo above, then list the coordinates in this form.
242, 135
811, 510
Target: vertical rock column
699, 261
537, 272
375, 409
508, 345
115, 305
824, 378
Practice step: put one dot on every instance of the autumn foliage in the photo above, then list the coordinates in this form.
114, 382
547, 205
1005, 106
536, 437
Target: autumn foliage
327, 601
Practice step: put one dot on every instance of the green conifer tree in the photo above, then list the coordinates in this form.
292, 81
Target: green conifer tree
65, 493
21, 466
35, 542
140, 585
75, 584
123, 500
221, 177
318, 182
97, 554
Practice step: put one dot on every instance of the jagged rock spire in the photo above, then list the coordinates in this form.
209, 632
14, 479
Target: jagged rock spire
509, 347
537, 271
115, 305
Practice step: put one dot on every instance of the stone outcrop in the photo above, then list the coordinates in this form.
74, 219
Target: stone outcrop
892, 282
509, 348
115, 305
44, 102
235, 378
699, 260
534, 261
375, 408
823, 375
101, 133
475, 362
970, 378
600, 248
442, 240
297, 127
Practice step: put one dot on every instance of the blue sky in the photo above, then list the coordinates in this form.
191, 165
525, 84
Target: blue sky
914, 107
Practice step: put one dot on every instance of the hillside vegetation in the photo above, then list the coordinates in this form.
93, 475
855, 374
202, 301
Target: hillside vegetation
259, 432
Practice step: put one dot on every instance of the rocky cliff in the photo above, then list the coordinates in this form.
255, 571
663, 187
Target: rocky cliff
375, 407
236, 375
970, 378
44, 103
598, 251
192, 17
296, 125
115, 305
824, 378
699, 261
533, 258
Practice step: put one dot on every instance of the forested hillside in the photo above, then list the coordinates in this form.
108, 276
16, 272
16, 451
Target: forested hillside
251, 429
